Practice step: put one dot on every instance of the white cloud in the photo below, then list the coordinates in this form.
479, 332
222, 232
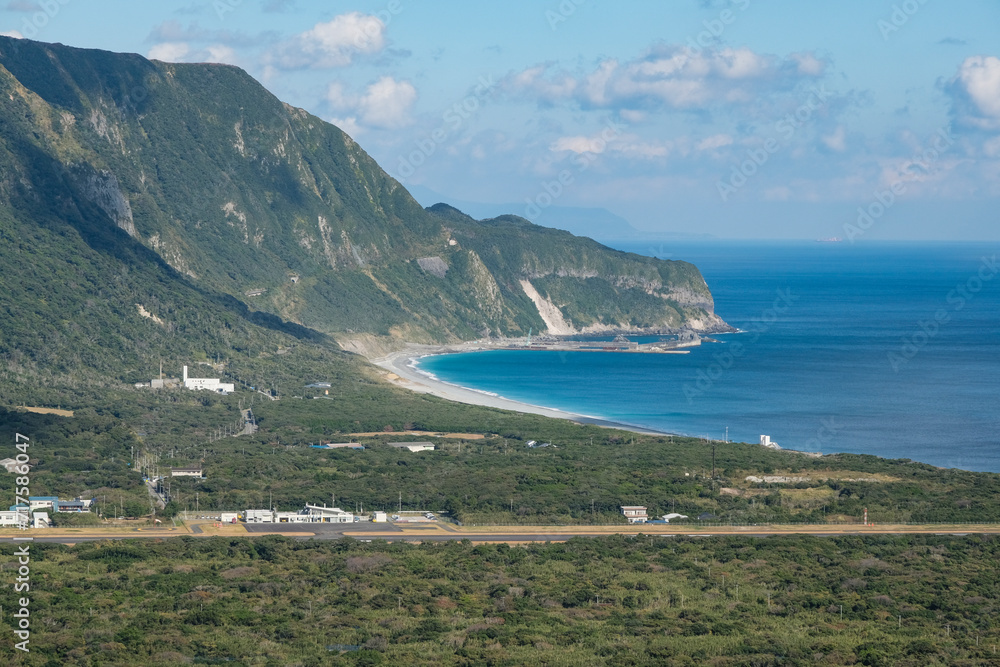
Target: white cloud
181, 52
385, 104
632, 116
578, 144
642, 150
808, 64
331, 44
533, 82
671, 77
16, 34
836, 141
217, 53
976, 92
349, 125
170, 52
714, 142
22, 6
992, 147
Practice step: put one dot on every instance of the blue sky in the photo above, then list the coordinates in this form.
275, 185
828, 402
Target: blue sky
866, 120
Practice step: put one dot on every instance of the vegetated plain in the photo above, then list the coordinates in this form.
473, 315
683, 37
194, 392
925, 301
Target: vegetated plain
918, 600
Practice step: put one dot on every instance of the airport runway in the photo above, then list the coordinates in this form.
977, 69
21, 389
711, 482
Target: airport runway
512, 535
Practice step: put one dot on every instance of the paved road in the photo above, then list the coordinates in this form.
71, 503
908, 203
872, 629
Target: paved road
443, 533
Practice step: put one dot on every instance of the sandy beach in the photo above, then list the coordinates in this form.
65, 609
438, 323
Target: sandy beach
402, 374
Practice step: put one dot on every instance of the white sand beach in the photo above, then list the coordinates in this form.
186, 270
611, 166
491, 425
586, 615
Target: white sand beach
403, 374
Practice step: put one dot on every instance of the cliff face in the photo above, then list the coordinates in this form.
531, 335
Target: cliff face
248, 197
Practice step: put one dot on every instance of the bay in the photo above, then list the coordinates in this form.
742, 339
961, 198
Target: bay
891, 349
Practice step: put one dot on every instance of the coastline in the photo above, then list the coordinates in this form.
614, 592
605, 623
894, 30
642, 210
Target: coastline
402, 374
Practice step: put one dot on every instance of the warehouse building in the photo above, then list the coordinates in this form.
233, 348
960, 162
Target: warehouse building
414, 446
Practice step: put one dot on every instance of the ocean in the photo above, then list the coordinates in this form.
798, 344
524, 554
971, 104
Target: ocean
891, 349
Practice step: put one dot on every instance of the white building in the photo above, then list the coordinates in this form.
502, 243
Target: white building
765, 441
414, 446
329, 514
228, 517
379, 517
293, 517
208, 384
41, 502
14, 518
258, 516
635, 513
187, 472
40, 520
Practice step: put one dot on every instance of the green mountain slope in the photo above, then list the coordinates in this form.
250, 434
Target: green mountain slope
198, 168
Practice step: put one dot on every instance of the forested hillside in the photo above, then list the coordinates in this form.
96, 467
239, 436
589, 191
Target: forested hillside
194, 173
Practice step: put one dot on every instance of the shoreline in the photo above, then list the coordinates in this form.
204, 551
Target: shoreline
402, 374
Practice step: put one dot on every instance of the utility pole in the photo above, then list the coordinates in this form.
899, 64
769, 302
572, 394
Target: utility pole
713, 460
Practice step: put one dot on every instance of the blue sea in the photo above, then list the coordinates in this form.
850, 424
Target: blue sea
890, 349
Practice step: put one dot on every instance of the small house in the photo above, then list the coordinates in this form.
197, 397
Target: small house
635, 513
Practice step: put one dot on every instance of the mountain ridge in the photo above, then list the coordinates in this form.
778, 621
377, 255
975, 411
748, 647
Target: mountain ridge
250, 199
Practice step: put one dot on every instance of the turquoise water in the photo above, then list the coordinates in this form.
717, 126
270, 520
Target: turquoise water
875, 348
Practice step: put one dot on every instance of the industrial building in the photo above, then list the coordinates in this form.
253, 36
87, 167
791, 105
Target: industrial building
414, 446
339, 445
308, 514
195, 471
329, 514
258, 516
207, 384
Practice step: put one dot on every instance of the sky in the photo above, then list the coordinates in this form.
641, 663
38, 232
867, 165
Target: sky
860, 119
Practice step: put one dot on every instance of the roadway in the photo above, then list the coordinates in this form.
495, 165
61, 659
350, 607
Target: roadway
441, 532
